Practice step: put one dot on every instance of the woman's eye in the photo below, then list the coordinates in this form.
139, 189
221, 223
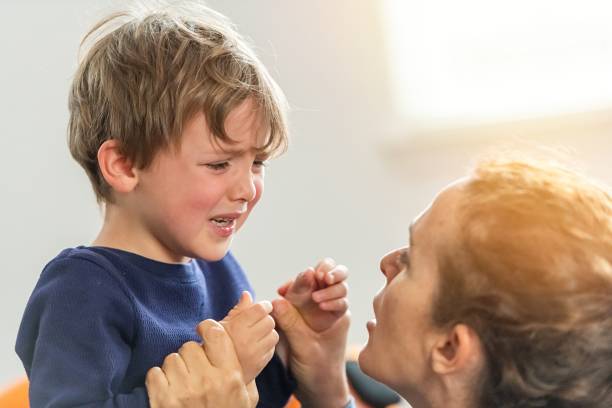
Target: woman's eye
218, 166
259, 163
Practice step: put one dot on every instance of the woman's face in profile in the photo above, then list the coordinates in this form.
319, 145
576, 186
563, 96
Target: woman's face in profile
402, 334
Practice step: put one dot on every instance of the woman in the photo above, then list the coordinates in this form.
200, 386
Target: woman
503, 297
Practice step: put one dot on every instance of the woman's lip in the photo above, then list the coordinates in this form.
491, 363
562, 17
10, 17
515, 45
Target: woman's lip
371, 325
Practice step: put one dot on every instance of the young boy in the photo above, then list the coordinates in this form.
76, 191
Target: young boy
172, 117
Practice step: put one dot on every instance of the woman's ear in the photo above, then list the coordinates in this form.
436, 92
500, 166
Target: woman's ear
117, 170
458, 350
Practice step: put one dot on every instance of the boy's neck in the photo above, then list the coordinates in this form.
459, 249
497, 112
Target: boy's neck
123, 230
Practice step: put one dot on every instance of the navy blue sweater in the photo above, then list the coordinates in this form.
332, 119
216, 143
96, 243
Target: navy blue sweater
100, 318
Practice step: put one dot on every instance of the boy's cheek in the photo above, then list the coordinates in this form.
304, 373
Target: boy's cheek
252, 203
259, 188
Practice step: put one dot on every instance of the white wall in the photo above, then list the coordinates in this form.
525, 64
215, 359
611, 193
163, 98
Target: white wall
346, 188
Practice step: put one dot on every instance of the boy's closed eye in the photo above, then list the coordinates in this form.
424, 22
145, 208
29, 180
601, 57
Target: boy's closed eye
260, 163
217, 165
222, 165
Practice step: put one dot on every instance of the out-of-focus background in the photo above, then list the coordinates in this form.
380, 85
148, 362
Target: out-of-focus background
391, 100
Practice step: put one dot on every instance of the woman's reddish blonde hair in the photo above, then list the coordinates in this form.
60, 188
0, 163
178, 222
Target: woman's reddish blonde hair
531, 272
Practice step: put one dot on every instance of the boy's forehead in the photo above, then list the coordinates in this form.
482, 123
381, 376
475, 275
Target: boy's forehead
240, 136
246, 116
257, 144
245, 124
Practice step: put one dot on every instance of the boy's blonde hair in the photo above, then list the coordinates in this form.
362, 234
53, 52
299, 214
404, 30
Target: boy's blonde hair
148, 71
531, 272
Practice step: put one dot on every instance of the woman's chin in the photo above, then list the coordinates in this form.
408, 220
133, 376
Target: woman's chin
366, 359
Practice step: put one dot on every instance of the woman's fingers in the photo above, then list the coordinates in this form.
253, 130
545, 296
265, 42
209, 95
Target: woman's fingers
218, 346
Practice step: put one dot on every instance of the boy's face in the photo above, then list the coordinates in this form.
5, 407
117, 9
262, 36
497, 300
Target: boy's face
193, 200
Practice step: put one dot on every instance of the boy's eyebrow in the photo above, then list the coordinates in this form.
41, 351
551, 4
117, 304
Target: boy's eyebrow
238, 150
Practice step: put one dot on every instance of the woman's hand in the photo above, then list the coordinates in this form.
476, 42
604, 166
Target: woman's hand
201, 376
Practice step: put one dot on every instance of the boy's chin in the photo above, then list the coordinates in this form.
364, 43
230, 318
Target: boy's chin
212, 256
213, 253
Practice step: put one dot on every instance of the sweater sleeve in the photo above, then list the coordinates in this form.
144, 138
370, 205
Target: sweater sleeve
74, 338
275, 385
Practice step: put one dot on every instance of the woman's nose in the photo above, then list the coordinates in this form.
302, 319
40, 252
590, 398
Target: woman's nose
389, 265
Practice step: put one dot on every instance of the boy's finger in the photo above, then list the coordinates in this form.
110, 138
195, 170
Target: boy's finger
244, 302
324, 266
253, 313
336, 291
270, 341
264, 345
268, 356
304, 282
262, 328
338, 274
218, 346
337, 305
299, 294
282, 290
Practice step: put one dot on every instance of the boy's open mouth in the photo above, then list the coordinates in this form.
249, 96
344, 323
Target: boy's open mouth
223, 222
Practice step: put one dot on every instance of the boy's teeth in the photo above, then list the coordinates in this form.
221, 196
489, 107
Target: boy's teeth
221, 221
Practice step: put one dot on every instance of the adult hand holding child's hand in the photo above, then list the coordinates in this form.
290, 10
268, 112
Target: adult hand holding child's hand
313, 318
201, 376
252, 330
320, 294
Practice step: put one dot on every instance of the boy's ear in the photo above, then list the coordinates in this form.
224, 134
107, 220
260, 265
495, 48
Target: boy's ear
116, 169
459, 349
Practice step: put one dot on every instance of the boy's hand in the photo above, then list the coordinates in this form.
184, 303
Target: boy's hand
252, 330
314, 321
319, 294
316, 359
201, 376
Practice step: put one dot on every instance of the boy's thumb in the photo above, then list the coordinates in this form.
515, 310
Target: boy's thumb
245, 300
287, 318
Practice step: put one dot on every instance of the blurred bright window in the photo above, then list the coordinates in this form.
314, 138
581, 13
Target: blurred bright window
478, 61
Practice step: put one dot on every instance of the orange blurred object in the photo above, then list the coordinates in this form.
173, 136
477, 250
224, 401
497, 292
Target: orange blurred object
293, 403
15, 395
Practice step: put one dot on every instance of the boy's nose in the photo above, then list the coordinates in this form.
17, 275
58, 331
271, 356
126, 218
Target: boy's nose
244, 188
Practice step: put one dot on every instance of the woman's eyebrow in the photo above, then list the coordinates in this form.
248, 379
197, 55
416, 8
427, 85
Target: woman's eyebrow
404, 257
411, 234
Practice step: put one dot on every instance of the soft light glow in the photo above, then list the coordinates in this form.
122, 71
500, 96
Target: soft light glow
474, 61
